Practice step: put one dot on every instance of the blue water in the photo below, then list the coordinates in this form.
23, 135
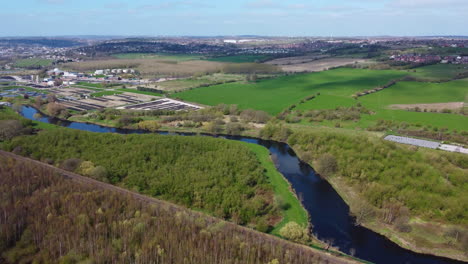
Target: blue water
329, 213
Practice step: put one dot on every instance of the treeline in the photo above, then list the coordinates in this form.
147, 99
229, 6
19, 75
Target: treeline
143, 46
217, 176
212, 118
49, 42
153, 90
339, 113
12, 124
49, 219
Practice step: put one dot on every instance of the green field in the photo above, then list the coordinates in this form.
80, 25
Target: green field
401, 93
2, 88
241, 58
418, 93
138, 92
294, 210
92, 85
104, 93
275, 95
438, 71
158, 56
211, 79
35, 62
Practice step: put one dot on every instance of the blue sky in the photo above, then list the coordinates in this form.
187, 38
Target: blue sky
234, 17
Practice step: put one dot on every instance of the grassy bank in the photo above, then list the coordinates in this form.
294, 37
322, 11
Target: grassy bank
292, 210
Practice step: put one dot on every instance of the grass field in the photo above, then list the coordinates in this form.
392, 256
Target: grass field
438, 71
92, 85
295, 212
159, 56
401, 93
184, 84
35, 62
275, 95
104, 93
416, 93
241, 58
137, 92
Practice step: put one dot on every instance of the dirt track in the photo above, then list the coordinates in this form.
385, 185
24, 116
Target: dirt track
152, 201
311, 64
435, 106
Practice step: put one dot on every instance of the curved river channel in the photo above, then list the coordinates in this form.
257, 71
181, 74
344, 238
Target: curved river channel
329, 213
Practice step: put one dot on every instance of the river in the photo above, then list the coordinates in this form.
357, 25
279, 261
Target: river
329, 213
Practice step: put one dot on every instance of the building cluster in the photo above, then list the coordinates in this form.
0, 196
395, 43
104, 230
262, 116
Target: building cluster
417, 58
455, 59
57, 77
114, 71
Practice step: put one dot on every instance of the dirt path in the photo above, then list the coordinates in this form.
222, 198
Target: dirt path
435, 106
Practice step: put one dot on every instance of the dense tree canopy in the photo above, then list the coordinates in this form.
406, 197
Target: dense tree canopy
48, 219
215, 175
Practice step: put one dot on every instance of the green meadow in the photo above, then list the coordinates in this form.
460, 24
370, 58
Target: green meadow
92, 85
417, 93
34, 62
335, 89
438, 71
137, 92
401, 93
275, 95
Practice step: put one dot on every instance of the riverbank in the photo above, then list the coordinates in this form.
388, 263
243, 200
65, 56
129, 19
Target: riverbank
292, 209
425, 237
420, 229
320, 204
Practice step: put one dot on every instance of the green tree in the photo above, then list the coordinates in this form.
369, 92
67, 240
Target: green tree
294, 232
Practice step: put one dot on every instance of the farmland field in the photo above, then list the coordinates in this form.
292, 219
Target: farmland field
241, 58
150, 67
35, 62
275, 95
183, 84
295, 65
162, 56
402, 93
418, 93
